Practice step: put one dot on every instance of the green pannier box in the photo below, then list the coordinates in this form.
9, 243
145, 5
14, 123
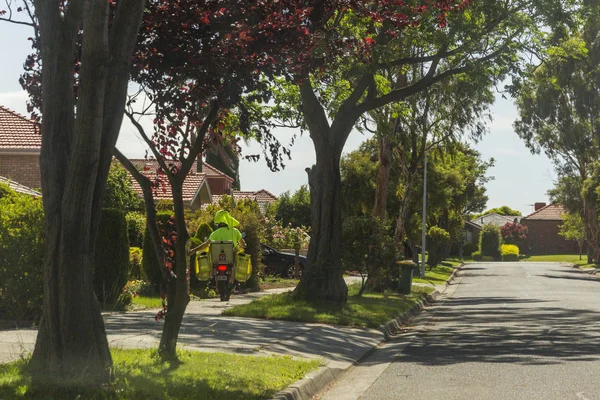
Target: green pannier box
243, 268
203, 267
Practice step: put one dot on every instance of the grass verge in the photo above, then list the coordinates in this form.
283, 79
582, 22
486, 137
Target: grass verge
369, 311
140, 375
438, 275
566, 258
140, 302
276, 282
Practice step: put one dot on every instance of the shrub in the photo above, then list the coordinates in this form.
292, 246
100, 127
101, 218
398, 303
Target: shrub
368, 248
488, 258
514, 233
510, 252
477, 256
119, 193
112, 256
152, 271
251, 223
21, 255
437, 238
490, 241
136, 223
135, 263
469, 249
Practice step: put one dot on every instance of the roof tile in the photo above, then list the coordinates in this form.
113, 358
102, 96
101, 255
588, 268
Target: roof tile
18, 132
552, 212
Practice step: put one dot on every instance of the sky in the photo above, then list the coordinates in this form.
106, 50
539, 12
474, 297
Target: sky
520, 178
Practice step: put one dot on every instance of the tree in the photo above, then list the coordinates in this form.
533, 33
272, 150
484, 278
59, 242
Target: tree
572, 228
558, 104
490, 241
79, 131
359, 41
119, 193
504, 210
197, 64
514, 233
294, 209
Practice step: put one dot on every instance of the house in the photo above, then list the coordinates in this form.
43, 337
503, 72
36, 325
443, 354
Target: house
202, 186
263, 197
472, 228
543, 227
20, 144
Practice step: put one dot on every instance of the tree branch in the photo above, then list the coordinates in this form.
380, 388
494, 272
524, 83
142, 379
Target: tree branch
196, 148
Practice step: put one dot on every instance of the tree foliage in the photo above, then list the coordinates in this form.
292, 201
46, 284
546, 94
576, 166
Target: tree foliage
490, 241
294, 209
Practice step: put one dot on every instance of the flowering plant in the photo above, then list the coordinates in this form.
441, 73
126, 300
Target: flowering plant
284, 237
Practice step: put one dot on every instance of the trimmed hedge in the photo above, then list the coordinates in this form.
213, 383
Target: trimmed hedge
21, 256
152, 271
490, 241
510, 252
112, 256
203, 232
135, 263
136, 223
477, 256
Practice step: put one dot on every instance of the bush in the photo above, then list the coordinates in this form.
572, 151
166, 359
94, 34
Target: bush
251, 223
514, 233
152, 271
490, 240
21, 255
136, 223
437, 238
469, 249
370, 249
488, 258
112, 256
510, 252
477, 256
135, 263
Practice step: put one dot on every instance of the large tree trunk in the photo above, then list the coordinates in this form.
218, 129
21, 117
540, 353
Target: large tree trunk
178, 293
322, 279
592, 225
74, 160
384, 153
404, 208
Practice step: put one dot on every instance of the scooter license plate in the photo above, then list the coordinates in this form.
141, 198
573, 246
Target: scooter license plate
221, 277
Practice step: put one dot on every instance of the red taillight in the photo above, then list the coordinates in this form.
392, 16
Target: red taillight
222, 268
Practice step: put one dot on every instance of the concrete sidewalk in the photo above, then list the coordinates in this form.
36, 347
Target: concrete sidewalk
204, 329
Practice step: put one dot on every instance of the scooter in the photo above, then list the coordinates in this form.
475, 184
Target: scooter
222, 256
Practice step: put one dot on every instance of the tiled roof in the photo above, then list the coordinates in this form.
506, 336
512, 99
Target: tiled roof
493, 218
207, 169
191, 184
17, 187
552, 212
260, 195
18, 132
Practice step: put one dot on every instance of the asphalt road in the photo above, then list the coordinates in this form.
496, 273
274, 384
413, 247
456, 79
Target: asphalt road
505, 331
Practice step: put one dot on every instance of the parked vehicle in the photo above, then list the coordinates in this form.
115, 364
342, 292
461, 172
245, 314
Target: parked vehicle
280, 263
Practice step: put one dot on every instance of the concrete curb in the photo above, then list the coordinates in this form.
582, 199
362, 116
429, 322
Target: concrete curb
316, 381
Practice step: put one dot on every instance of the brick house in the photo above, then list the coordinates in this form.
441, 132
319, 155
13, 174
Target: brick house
202, 186
20, 143
543, 227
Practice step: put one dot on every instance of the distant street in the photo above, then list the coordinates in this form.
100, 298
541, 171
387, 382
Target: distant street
505, 331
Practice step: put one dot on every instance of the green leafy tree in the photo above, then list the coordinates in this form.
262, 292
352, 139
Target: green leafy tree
504, 210
437, 238
119, 193
294, 209
558, 105
573, 228
490, 241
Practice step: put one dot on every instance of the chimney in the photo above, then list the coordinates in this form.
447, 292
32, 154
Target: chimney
538, 206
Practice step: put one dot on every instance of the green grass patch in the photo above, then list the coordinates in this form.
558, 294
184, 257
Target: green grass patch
141, 375
371, 310
438, 275
566, 258
147, 302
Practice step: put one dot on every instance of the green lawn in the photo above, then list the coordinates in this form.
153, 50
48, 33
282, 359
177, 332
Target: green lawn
567, 258
140, 375
371, 310
147, 302
437, 276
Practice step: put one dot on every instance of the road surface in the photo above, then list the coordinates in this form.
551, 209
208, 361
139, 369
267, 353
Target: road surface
504, 331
